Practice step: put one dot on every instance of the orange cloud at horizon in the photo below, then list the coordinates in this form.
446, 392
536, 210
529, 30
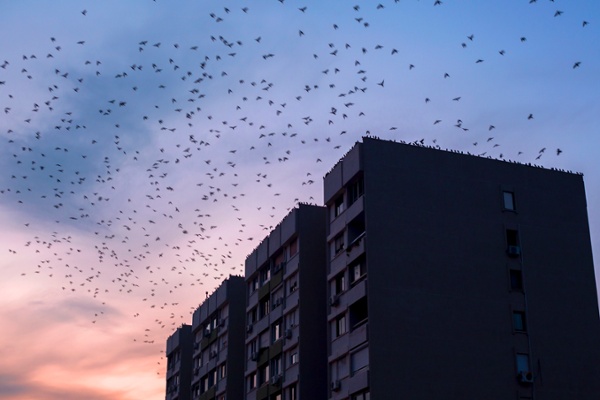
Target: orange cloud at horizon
53, 350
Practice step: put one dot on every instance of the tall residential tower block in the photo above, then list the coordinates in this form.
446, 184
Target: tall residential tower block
453, 276
218, 332
286, 327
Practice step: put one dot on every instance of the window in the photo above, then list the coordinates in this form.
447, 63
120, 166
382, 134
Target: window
253, 285
265, 275
509, 200
293, 356
338, 206
293, 283
263, 374
252, 314
337, 245
212, 378
293, 248
339, 369
340, 283
222, 371
366, 395
522, 362
277, 331
359, 313
519, 321
278, 262
252, 348
276, 366
265, 307
292, 393
340, 325
358, 270
355, 190
291, 319
264, 339
512, 242
252, 381
277, 297
516, 280
359, 360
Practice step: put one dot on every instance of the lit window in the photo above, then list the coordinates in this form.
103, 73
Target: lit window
509, 200
222, 371
519, 321
522, 362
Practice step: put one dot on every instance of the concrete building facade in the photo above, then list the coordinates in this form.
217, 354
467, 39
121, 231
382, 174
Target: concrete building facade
285, 355
218, 343
428, 275
453, 276
179, 361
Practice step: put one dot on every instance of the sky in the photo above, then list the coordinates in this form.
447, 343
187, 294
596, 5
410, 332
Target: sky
147, 146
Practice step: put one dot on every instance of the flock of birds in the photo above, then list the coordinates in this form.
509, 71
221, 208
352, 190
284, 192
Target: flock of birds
147, 177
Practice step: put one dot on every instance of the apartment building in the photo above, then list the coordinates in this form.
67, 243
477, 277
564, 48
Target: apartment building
218, 343
285, 357
179, 361
453, 276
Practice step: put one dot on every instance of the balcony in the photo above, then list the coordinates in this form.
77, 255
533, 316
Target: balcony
355, 248
264, 290
337, 264
355, 209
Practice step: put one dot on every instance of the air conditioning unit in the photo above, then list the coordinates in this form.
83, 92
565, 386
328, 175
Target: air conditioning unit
334, 300
525, 377
212, 354
514, 251
336, 386
254, 356
249, 328
207, 332
288, 333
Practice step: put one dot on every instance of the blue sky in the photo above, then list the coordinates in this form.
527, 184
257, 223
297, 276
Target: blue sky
148, 147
